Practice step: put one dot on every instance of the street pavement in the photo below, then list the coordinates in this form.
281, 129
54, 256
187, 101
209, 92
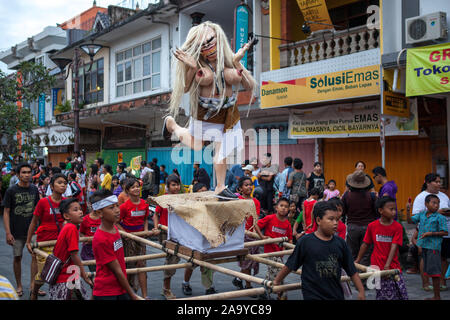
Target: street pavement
222, 282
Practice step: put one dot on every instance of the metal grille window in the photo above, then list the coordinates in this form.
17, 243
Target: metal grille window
138, 69
90, 86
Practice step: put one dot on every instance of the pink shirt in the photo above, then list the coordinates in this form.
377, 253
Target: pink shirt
331, 194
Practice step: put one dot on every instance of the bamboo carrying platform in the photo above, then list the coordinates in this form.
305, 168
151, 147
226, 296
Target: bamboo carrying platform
212, 261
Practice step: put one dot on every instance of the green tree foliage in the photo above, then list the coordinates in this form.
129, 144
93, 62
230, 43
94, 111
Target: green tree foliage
35, 80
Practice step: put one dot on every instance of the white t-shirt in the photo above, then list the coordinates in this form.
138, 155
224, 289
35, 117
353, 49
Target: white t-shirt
419, 204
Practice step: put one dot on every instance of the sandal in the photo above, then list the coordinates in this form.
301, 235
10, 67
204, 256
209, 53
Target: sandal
41, 293
167, 293
443, 288
19, 293
428, 288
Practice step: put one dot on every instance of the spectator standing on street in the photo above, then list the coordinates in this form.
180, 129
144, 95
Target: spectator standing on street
316, 179
297, 184
44, 182
200, 175
157, 176
283, 178
331, 191
266, 178
307, 209
116, 188
99, 162
361, 166
107, 180
163, 174
359, 210
19, 203
432, 227
388, 188
147, 175
121, 173
432, 185
14, 179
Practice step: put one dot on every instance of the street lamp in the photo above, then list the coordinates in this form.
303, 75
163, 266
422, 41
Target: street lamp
91, 50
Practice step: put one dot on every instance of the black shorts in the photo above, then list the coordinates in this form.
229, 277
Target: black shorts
445, 248
431, 262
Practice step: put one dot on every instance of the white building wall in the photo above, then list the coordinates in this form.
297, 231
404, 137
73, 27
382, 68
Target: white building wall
392, 26
151, 32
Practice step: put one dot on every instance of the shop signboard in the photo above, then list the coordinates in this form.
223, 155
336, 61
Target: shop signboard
428, 70
352, 83
316, 11
395, 104
349, 120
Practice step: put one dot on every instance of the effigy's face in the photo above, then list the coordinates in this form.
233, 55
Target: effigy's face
209, 46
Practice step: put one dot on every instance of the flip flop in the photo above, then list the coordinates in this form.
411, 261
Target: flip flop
19, 293
429, 288
443, 288
41, 293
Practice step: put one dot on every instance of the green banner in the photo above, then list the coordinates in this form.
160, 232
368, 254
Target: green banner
428, 70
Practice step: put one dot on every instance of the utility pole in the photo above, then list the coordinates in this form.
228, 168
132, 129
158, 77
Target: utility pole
76, 110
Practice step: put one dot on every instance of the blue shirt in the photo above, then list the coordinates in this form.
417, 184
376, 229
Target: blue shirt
435, 222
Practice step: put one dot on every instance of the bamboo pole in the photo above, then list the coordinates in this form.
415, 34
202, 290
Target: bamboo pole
265, 241
214, 267
245, 292
131, 259
153, 269
273, 254
286, 244
84, 239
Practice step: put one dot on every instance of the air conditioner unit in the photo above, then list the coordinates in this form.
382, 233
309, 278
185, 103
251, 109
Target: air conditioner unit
428, 27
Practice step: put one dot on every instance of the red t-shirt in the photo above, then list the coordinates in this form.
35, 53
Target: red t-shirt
275, 228
163, 215
66, 243
107, 247
382, 238
307, 214
47, 229
89, 225
132, 216
249, 220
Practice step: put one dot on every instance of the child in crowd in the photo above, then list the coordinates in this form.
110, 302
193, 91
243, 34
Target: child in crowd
432, 227
44, 181
115, 187
207, 274
331, 191
66, 249
47, 216
134, 218
276, 225
123, 196
322, 255
88, 227
173, 184
307, 208
245, 189
386, 235
292, 215
111, 277
75, 187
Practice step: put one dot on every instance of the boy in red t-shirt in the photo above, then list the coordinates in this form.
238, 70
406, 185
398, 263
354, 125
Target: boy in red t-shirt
90, 224
134, 218
245, 188
173, 185
307, 208
386, 235
47, 216
111, 277
68, 285
275, 226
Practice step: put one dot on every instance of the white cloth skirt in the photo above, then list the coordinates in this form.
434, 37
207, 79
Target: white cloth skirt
230, 140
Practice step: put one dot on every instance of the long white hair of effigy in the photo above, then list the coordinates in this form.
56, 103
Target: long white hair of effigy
192, 46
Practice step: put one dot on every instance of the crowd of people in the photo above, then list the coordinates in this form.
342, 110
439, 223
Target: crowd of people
333, 231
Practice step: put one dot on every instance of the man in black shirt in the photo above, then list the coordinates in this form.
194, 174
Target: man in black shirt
322, 255
200, 175
19, 202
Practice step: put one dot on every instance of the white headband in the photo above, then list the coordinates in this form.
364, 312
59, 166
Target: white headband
105, 202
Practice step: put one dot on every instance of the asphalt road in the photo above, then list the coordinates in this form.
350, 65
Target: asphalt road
222, 282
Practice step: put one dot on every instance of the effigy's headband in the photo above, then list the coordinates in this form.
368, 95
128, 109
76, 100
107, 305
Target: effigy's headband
105, 202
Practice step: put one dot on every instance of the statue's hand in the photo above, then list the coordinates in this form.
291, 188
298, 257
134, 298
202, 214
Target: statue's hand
185, 58
241, 52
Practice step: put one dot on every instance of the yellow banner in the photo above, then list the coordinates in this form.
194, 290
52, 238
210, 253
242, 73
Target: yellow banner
358, 82
136, 163
428, 70
395, 104
315, 11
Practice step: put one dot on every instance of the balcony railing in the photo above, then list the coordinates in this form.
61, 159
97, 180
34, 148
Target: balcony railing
328, 44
